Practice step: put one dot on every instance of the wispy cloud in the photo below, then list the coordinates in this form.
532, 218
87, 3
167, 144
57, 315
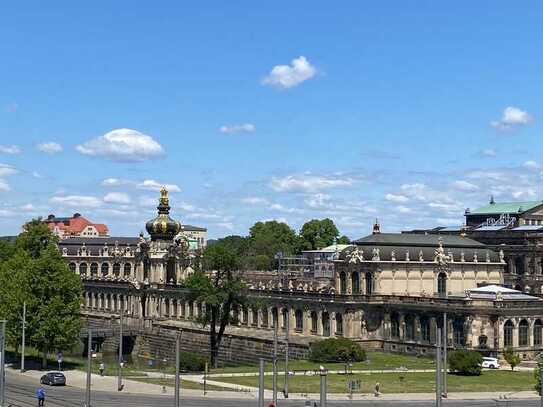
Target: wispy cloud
11, 149
152, 185
309, 182
49, 147
238, 128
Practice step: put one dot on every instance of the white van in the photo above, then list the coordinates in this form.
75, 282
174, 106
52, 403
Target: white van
490, 363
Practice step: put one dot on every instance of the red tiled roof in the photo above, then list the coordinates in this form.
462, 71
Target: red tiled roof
75, 225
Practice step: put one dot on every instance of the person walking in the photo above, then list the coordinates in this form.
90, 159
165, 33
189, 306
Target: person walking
102, 368
40, 394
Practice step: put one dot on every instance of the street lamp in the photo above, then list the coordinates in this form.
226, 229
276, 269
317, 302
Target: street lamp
323, 372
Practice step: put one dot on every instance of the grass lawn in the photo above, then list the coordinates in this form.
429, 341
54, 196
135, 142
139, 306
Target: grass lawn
491, 380
171, 383
375, 361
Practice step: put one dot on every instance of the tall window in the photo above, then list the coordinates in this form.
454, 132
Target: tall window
299, 316
83, 269
339, 324
127, 269
394, 326
369, 283
425, 329
275, 315
245, 316
537, 332
523, 333
284, 314
342, 282
458, 332
519, 265
325, 324
105, 269
508, 328
264, 316
314, 322
409, 328
116, 269
355, 280
72, 267
442, 283
255, 317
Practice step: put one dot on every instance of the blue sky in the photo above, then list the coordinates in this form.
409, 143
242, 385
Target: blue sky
250, 111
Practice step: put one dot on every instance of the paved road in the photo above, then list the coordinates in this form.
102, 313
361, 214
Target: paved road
20, 393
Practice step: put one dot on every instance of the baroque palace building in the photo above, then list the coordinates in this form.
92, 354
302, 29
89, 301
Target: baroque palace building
386, 291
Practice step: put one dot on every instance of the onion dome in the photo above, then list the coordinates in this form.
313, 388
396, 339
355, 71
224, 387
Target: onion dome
163, 227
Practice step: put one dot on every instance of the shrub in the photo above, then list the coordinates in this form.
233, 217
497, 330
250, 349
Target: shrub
336, 350
511, 357
465, 362
537, 372
192, 362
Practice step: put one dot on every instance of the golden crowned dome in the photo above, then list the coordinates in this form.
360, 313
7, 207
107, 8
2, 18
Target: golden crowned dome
163, 227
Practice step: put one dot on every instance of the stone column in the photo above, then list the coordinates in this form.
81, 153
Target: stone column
319, 323
402, 326
333, 325
349, 278
417, 329
433, 327
307, 323
515, 336
292, 321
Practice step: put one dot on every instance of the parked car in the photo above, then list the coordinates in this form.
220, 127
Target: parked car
53, 379
490, 363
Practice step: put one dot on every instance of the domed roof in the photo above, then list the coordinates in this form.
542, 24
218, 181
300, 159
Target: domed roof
163, 227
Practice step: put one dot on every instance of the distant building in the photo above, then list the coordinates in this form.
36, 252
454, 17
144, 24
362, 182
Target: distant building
528, 213
75, 226
196, 235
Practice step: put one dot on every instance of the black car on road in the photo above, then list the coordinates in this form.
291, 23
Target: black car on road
53, 379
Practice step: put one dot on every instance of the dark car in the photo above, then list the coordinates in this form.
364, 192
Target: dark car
53, 379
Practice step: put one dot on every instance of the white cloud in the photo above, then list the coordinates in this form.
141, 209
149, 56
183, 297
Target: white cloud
12, 149
288, 76
254, 200
319, 201
28, 207
396, 198
117, 198
78, 201
4, 186
185, 207
124, 145
281, 208
403, 209
462, 185
532, 165
238, 128
152, 185
309, 183
113, 182
512, 117
7, 170
225, 225
49, 147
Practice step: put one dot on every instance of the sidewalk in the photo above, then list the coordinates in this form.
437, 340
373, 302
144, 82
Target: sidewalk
76, 378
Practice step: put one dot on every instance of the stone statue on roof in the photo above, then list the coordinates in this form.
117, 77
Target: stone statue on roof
376, 254
439, 254
356, 256
502, 256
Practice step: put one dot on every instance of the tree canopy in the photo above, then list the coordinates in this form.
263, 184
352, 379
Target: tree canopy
34, 272
317, 234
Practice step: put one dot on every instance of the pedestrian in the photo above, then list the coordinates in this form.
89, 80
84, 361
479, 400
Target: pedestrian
271, 405
40, 394
377, 389
102, 368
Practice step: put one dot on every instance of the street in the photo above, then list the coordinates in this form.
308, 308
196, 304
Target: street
20, 393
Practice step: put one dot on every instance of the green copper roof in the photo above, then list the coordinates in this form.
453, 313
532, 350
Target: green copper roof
505, 207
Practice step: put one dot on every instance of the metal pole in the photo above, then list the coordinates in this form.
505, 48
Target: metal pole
445, 343
120, 378
89, 369
323, 389
285, 388
2, 363
177, 381
261, 384
274, 377
23, 339
205, 377
438, 367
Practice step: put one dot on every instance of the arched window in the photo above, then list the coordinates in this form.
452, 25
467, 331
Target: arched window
116, 269
425, 329
174, 308
314, 322
508, 328
264, 317
325, 324
191, 311
342, 282
127, 269
395, 326
442, 284
409, 327
167, 304
355, 280
170, 271
339, 324
523, 333
105, 269
73, 267
369, 283
182, 313
537, 332
299, 317
94, 269
83, 269
275, 317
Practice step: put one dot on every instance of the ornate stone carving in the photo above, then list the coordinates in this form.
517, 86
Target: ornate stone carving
375, 254
356, 256
421, 256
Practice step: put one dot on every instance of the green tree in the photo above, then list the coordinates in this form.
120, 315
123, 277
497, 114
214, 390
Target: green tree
272, 237
37, 274
465, 362
221, 287
336, 350
537, 375
511, 357
7, 249
317, 234
344, 240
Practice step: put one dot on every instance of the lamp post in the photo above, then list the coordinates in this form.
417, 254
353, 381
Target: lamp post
120, 376
23, 339
323, 374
